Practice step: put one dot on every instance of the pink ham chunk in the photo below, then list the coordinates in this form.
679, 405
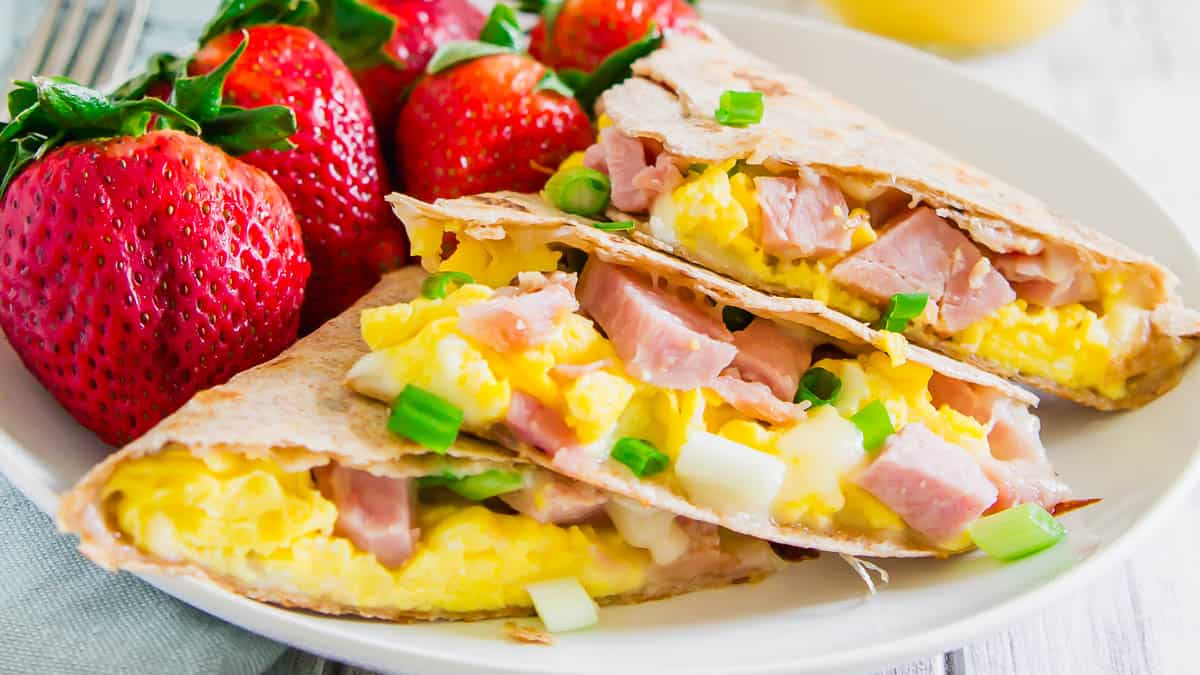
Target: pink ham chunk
662, 176
937, 488
660, 338
624, 159
533, 423
377, 513
514, 322
1052, 278
593, 158
888, 205
1019, 467
756, 400
921, 253
554, 500
768, 355
803, 217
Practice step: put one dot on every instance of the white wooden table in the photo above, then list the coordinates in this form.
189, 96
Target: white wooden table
1127, 74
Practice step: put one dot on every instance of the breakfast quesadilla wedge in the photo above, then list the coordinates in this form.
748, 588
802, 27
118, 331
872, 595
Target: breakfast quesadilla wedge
287, 487
730, 163
615, 364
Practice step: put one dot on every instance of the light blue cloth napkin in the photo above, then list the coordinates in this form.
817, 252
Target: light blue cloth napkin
62, 615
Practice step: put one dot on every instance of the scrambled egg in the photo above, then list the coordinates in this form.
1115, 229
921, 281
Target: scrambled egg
821, 452
718, 217
249, 520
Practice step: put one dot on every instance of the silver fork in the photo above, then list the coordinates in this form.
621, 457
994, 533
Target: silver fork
103, 56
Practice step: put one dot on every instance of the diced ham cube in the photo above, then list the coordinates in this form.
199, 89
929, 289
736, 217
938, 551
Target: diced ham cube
660, 338
887, 206
662, 176
922, 253
1019, 467
624, 158
803, 217
756, 400
1053, 278
514, 322
768, 355
593, 158
556, 500
376, 513
535, 424
937, 488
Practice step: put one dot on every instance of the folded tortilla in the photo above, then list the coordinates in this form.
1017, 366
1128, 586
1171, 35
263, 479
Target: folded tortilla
832, 498
1092, 320
223, 490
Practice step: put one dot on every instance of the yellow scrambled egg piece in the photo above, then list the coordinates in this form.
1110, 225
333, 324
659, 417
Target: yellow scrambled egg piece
497, 262
250, 520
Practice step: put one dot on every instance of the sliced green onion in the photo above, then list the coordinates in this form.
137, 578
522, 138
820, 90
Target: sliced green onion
697, 168
436, 286
502, 28
477, 487
819, 387
579, 190
617, 226
903, 308
736, 318
875, 424
563, 604
425, 418
740, 108
1017, 532
642, 458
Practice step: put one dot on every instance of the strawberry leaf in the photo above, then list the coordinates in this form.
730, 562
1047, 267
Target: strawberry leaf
502, 28
356, 31
552, 82
200, 97
160, 67
615, 69
235, 14
50, 111
550, 9
241, 130
453, 53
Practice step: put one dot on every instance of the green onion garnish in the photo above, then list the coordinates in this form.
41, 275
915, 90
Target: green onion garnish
875, 424
425, 418
579, 190
642, 458
740, 108
819, 387
476, 487
436, 286
736, 318
618, 226
903, 308
697, 168
502, 28
1017, 532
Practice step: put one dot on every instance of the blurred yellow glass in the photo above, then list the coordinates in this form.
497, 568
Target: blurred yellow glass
956, 26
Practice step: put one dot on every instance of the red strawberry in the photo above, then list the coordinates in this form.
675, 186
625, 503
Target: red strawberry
585, 32
389, 54
484, 125
334, 176
137, 270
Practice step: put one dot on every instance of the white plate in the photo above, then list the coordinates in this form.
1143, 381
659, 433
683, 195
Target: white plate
811, 618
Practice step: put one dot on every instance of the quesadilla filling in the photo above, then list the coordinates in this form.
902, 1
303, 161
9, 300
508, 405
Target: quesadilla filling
1030, 306
759, 422
461, 539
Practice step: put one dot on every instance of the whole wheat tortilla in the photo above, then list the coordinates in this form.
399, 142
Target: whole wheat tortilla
677, 88
296, 410
497, 215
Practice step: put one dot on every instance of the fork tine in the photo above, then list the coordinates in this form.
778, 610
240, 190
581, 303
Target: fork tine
126, 44
32, 53
100, 35
66, 40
